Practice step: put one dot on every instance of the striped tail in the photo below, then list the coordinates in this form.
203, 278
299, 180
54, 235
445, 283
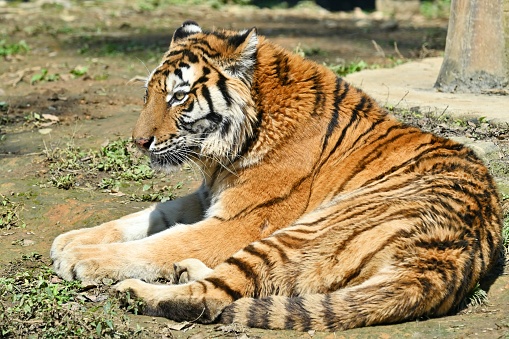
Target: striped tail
376, 301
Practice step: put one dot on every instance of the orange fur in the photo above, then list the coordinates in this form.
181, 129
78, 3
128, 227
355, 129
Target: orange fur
317, 211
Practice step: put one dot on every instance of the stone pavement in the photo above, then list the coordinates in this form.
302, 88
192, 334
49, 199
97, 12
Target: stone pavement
411, 84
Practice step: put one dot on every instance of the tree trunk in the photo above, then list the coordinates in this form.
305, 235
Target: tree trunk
477, 48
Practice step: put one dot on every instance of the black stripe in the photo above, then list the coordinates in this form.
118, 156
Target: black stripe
193, 58
178, 72
278, 249
223, 88
319, 95
248, 272
353, 118
203, 285
247, 210
329, 317
259, 312
372, 156
281, 68
257, 253
225, 127
221, 284
206, 94
333, 123
289, 240
251, 140
190, 107
214, 117
297, 316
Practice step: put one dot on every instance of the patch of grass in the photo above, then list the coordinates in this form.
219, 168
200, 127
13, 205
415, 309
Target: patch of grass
343, 69
34, 302
113, 167
8, 49
477, 297
43, 75
150, 5
10, 213
153, 194
114, 162
79, 71
434, 9
309, 51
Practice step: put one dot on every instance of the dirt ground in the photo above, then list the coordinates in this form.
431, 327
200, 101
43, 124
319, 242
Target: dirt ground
78, 72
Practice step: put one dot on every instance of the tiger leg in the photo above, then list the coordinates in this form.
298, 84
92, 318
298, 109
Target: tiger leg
186, 210
247, 273
152, 257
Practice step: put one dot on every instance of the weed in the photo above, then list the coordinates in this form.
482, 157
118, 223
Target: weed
150, 5
9, 213
7, 49
345, 69
433, 9
309, 51
111, 165
79, 71
153, 194
477, 297
33, 300
505, 225
43, 75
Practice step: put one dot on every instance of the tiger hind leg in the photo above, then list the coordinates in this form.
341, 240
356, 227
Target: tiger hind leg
263, 286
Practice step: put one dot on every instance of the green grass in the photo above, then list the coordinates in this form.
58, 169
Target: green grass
10, 213
113, 167
8, 49
43, 75
434, 9
34, 302
348, 68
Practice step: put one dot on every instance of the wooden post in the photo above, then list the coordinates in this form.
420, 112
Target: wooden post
476, 55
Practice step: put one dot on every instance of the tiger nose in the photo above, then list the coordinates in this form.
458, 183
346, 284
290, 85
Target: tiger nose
143, 143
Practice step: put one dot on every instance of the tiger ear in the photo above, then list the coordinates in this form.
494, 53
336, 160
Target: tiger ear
188, 28
244, 55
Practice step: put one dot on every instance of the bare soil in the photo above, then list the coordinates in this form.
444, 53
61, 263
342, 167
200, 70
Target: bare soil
117, 42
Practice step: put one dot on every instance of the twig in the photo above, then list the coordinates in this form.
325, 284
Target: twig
396, 50
400, 100
379, 49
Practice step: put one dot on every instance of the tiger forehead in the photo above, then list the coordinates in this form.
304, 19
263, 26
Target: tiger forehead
167, 75
213, 45
189, 53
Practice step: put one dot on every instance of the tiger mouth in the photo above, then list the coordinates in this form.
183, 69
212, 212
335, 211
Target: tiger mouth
171, 158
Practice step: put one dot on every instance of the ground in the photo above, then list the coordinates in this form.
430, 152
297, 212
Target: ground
69, 102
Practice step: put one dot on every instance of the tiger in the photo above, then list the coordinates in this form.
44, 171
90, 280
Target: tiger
318, 209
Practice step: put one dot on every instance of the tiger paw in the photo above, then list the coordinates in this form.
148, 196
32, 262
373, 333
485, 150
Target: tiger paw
93, 263
145, 297
65, 240
190, 270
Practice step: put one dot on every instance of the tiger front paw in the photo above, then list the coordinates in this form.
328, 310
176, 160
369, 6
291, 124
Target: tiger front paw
92, 264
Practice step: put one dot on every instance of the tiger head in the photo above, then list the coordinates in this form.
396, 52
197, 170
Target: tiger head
198, 105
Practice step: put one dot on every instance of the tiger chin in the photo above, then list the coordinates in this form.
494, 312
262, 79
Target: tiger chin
317, 210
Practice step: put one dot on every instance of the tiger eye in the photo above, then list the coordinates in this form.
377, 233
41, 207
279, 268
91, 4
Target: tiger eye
179, 95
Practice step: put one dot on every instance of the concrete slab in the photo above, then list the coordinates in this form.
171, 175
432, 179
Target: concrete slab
411, 84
